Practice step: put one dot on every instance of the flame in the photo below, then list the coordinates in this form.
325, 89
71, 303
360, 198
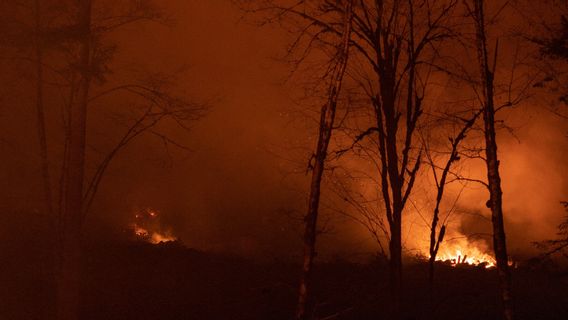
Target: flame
147, 227
464, 253
158, 238
153, 237
141, 232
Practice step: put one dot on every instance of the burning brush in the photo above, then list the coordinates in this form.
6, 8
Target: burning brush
147, 227
462, 252
460, 258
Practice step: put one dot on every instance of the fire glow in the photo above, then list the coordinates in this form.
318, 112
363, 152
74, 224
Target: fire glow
464, 253
147, 227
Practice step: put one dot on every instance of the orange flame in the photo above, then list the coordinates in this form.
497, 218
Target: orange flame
147, 228
464, 253
152, 237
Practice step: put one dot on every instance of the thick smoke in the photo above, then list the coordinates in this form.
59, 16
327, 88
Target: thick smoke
237, 190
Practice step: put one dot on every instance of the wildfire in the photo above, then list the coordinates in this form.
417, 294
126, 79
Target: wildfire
464, 253
158, 237
458, 257
147, 227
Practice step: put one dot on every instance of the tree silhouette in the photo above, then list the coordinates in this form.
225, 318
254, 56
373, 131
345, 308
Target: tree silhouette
327, 119
495, 202
66, 44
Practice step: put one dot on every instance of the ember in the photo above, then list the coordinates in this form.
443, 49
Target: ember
460, 258
465, 253
147, 227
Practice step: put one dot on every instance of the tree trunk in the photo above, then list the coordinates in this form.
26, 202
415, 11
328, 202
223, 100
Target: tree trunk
40, 114
493, 177
436, 240
47, 197
68, 280
434, 246
396, 263
71, 227
395, 181
327, 117
310, 237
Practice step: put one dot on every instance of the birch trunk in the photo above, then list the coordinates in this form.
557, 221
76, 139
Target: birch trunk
327, 118
493, 178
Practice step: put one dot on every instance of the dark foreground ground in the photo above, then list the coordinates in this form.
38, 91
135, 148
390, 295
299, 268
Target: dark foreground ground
167, 281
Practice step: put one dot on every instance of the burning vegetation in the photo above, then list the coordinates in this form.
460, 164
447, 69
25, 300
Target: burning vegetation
465, 255
147, 227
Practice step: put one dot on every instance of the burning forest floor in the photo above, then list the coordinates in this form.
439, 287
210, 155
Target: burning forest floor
168, 281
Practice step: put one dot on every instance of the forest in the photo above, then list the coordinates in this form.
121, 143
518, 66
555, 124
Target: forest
283, 159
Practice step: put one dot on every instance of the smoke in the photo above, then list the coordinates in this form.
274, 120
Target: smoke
532, 165
230, 192
237, 190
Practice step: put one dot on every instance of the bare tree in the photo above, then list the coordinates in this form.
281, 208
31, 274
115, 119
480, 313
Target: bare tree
26, 31
396, 44
74, 171
495, 202
436, 237
327, 118
40, 108
392, 41
160, 104
83, 60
